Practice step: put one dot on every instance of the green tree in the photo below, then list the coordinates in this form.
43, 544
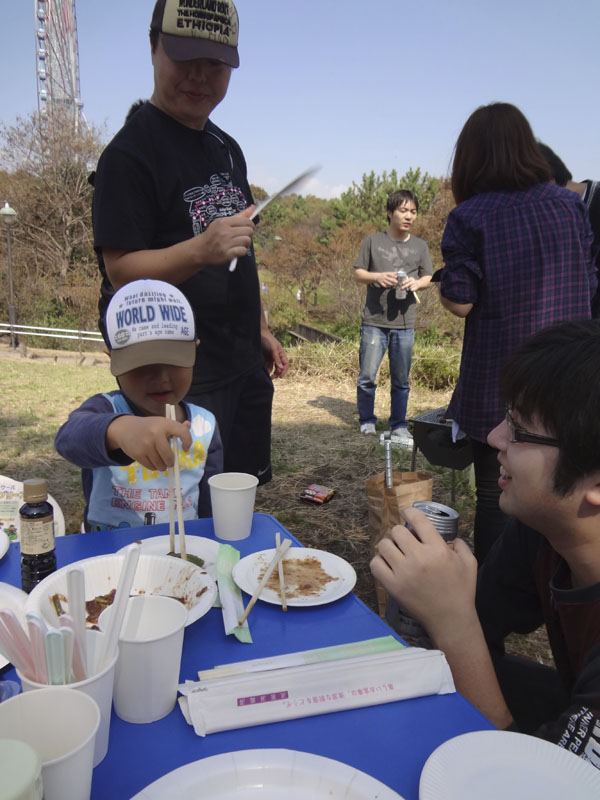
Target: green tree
44, 168
364, 203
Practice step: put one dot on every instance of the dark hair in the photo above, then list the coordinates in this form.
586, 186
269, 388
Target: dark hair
398, 198
496, 150
134, 108
554, 378
559, 171
154, 39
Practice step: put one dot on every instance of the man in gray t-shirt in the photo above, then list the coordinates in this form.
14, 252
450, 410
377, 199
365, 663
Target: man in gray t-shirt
388, 318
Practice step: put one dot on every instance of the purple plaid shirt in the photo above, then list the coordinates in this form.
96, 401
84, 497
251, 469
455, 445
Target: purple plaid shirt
524, 260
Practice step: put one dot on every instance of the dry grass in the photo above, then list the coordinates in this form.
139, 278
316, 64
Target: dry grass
315, 440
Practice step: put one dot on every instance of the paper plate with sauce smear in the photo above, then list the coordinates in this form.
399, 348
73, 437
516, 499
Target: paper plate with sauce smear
312, 577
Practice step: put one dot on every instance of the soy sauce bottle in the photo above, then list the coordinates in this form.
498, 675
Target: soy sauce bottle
37, 534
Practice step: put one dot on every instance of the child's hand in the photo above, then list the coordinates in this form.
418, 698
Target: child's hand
147, 439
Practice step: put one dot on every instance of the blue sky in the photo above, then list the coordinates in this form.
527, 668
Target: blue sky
353, 86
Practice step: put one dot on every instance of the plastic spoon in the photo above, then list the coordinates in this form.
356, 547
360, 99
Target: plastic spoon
20, 640
55, 655
17, 658
79, 662
37, 634
119, 606
68, 637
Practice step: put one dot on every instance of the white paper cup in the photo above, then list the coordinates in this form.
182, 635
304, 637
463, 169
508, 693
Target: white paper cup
150, 645
61, 726
98, 686
232, 497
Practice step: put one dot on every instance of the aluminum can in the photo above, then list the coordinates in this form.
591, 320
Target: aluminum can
445, 521
402, 276
444, 518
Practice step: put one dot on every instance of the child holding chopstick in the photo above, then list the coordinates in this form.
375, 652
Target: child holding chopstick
121, 440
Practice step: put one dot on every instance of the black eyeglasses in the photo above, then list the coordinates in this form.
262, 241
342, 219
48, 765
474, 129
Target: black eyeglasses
517, 434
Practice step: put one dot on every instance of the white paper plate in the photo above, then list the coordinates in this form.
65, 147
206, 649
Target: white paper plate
4, 543
15, 599
268, 774
206, 549
154, 575
246, 574
501, 765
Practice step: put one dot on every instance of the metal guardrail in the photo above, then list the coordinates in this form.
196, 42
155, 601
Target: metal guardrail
53, 333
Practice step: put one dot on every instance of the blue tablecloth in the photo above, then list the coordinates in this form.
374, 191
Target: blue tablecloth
390, 742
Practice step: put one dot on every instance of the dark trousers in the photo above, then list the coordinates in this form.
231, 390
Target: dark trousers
533, 692
243, 411
490, 521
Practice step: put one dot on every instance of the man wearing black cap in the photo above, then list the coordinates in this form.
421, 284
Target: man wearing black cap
172, 202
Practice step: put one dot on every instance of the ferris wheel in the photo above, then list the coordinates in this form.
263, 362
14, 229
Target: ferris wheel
57, 59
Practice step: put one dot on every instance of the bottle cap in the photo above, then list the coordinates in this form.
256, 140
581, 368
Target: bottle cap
35, 490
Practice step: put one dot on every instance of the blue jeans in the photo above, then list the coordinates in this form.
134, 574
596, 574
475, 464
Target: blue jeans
374, 342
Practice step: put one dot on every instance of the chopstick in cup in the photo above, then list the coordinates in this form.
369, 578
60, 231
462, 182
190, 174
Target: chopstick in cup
76, 597
180, 525
279, 553
281, 576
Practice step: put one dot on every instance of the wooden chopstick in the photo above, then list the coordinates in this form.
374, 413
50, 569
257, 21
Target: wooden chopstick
171, 498
180, 525
281, 577
279, 553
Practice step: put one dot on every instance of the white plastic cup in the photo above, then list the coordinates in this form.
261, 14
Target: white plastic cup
61, 726
150, 646
98, 686
232, 496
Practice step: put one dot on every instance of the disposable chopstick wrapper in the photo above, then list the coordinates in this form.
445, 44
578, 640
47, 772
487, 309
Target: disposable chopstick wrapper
257, 698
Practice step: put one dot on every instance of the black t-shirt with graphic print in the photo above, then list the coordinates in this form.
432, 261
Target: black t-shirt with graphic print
159, 183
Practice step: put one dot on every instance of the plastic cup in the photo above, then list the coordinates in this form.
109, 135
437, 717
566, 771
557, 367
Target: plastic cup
150, 645
61, 727
98, 686
232, 497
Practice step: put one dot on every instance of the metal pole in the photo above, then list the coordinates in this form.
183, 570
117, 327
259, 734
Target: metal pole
12, 312
386, 438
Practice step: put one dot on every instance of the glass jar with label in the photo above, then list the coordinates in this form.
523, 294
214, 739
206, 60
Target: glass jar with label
37, 534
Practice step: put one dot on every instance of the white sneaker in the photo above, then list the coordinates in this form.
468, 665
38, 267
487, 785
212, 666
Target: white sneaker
402, 437
368, 428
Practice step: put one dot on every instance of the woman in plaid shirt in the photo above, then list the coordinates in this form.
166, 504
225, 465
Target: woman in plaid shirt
517, 251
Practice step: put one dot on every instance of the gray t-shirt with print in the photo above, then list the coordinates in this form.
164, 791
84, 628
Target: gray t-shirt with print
380, 253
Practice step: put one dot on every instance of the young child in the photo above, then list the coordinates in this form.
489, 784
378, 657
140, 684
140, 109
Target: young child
122, 439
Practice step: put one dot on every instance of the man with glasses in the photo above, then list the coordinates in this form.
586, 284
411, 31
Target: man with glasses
544, 569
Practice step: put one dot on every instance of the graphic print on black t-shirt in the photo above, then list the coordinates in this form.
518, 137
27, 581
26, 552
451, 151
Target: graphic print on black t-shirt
218, 198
